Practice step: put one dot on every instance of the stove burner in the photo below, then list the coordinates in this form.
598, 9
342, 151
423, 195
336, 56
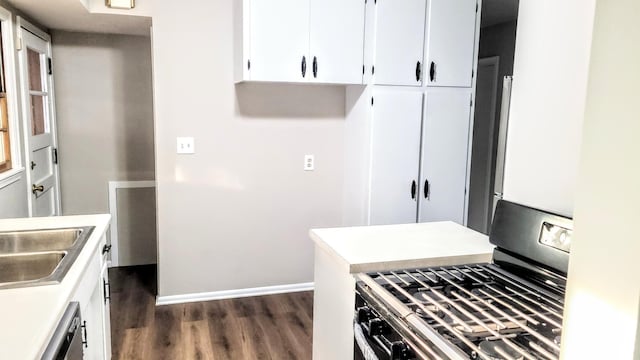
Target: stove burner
497, 350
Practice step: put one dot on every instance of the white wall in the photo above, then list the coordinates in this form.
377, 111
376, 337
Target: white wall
237, 213
13, 200
553, 43
14, 196
603, 289
104, 113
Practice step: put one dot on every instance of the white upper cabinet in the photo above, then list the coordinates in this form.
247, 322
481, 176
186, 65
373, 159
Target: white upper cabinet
395, 146
278, 40
445, 138
399, 49
337, 41
451, 43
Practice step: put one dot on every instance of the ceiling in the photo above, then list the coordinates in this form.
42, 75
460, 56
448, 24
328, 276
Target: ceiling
498, 11
72, 15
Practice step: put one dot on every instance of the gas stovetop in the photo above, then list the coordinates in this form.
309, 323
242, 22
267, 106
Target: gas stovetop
509, 309
477, 311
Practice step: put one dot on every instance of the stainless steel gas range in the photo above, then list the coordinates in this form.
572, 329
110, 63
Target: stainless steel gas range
510, 308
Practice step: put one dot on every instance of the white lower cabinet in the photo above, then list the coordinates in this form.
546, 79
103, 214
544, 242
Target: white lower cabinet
419, 153
445, 147
94, 308
395, 155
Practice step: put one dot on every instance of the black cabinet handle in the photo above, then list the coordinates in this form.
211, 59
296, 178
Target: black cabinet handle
432, 71
106, 248
426, 189
315, 67
413, 189
418, 71
304, 66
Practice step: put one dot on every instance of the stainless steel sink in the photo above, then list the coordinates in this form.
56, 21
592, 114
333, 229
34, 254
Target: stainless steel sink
39, 257
29, 267
38, 240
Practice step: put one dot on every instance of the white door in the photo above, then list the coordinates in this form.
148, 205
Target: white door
39, 125
395, 137
443, 169
483, 146
280, 40
400, 26
452, 29
337, 41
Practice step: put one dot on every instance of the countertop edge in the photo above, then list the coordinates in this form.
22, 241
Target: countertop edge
69, 284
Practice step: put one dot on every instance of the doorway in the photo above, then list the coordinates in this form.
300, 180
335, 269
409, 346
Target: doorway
496, 53
40, 135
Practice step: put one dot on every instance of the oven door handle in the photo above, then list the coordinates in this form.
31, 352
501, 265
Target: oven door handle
363, 344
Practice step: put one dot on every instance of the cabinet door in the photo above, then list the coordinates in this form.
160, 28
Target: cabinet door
452, 34
92, 318
395, 137
106, 313
279, 40
400, 27
336, 41
445, 139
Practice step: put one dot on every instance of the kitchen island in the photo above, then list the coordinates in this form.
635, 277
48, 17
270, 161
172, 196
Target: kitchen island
30, 314
342, 252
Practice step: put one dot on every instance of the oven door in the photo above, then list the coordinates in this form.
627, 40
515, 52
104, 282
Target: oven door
375, 338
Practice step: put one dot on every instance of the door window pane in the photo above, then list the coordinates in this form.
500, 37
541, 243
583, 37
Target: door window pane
37, 115
35, 81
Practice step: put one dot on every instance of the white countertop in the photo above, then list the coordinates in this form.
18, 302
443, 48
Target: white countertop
388, 247
28, 316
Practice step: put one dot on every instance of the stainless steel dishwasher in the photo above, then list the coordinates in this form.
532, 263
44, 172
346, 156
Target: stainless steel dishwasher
66, 342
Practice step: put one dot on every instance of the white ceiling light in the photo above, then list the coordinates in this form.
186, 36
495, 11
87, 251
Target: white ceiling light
121, 4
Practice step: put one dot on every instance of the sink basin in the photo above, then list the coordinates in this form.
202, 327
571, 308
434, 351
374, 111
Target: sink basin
29, 267
38, 240
39, 257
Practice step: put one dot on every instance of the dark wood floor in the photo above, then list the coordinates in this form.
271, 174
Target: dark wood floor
266, 327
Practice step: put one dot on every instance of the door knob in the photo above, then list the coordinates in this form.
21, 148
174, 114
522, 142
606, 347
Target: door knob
35, 189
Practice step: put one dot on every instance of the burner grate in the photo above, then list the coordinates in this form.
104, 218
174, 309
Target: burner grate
481, 309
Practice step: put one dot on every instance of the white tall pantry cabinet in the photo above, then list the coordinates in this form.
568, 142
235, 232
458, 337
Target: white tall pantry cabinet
418, 114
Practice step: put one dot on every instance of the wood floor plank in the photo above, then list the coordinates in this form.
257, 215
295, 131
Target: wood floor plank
226, 334
167, 332
266, 327
196, 341
133, 345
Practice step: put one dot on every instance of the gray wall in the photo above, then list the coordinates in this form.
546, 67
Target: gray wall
237, 213
104, 112
136, 226
13, 200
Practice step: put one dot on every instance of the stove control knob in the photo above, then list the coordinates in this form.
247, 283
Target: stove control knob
401, 351
378, 327
363, 314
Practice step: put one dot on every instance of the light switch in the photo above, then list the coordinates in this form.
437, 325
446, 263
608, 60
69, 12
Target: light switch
309, 163
186, 145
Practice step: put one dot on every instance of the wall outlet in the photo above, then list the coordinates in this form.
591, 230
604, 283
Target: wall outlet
186, 145
309, 163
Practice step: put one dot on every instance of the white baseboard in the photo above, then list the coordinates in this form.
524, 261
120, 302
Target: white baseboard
232, 294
